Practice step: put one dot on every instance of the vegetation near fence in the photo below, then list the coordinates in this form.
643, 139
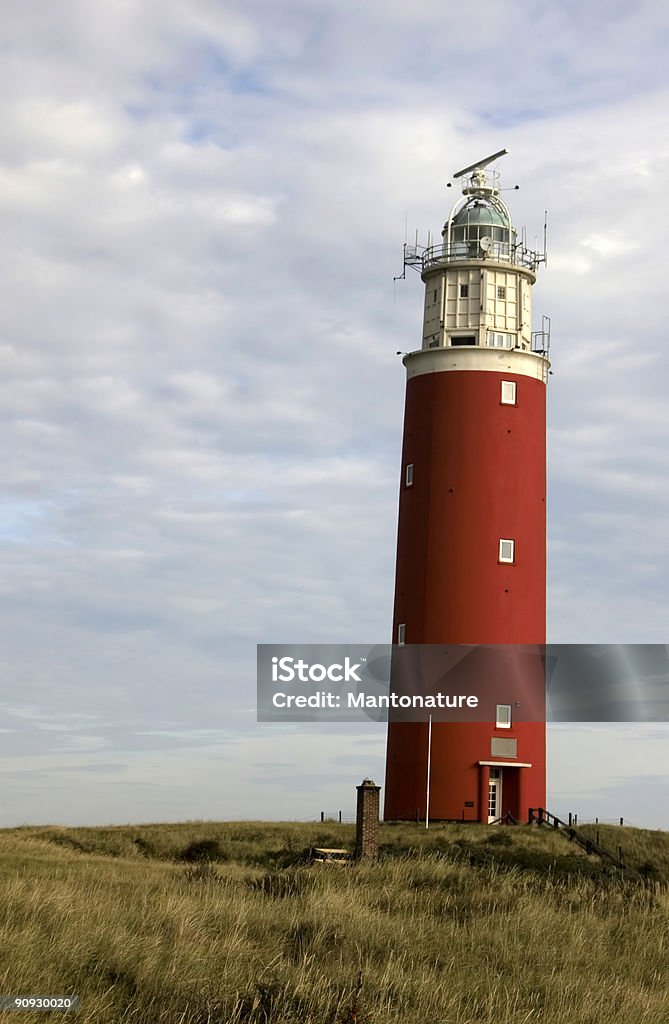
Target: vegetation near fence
207, 923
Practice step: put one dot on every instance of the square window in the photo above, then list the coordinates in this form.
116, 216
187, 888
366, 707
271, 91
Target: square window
507, 550
408, 475
508, 392
464, 291
496, 339
401, 633
501, 291
503, 716
434, 295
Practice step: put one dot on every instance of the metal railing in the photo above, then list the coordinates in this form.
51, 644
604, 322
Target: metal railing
503, 252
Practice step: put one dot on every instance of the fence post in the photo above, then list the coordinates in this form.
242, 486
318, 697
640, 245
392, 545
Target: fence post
570, 818
322, 817
596, 821
621, 821
620, 855
340, 817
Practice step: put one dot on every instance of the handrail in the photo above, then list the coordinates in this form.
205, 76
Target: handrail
458, 251
543, 817
506, 819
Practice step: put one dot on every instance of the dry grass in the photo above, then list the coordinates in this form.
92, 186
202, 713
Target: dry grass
462, 925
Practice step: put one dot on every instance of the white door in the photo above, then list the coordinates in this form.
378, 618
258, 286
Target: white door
495, 794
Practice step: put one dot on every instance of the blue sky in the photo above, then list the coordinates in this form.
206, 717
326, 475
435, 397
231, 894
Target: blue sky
202, 208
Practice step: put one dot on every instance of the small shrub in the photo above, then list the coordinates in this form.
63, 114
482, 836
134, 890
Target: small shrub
202, 850
144, 846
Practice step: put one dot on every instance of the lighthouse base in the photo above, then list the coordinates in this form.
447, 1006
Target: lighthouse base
465, 782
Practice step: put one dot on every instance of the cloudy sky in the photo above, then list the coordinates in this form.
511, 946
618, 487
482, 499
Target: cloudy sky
202, 208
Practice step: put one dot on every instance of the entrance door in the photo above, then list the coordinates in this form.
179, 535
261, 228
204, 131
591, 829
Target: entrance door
495, 794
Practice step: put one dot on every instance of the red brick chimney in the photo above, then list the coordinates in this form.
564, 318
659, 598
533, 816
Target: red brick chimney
367, 821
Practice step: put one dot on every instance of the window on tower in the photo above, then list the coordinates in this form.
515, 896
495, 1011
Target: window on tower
501, 291
464, 339
507, 551
503, 716
408, 475
464, 291
401, 633
508, 392
497, 339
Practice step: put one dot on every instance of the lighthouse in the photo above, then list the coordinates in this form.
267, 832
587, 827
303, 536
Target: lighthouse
471, 548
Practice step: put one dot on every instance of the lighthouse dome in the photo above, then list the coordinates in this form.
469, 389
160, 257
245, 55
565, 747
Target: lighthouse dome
481, 213
479, 219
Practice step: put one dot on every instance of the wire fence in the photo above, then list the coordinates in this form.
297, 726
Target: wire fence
342, 818
336, 817
577, 819
328, 818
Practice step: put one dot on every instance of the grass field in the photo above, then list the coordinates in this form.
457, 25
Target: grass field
207, 922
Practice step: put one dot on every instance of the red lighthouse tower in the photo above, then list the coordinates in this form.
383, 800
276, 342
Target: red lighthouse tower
471, 552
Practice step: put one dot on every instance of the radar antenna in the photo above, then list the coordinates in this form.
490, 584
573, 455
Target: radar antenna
480, 163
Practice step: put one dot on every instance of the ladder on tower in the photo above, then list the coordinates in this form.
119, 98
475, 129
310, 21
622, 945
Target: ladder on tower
541, 344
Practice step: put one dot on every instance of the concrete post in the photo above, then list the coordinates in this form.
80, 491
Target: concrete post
367, 821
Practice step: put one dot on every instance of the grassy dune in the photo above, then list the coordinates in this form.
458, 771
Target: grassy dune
463, 924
